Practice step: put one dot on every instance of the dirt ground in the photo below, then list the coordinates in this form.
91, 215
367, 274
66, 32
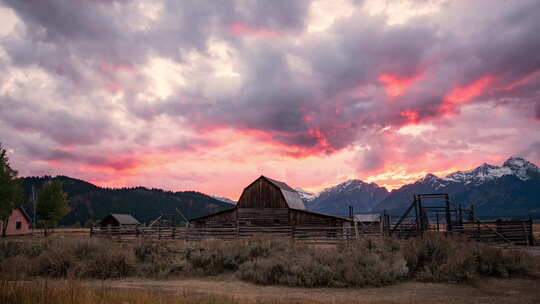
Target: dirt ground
486, 291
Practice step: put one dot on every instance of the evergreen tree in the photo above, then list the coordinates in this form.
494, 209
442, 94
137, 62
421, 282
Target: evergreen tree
11, 192
52, 204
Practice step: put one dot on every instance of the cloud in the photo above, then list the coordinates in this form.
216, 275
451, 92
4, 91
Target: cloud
101, 83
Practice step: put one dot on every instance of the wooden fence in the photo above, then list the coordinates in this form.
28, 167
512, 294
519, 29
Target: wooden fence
517, 232
312, 234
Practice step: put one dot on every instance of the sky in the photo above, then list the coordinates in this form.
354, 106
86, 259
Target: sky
209, 95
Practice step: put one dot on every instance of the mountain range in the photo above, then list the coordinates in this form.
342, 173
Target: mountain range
512, 189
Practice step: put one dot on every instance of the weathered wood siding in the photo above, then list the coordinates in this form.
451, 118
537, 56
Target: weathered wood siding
222, 219
263, 217
307, 219
262, 194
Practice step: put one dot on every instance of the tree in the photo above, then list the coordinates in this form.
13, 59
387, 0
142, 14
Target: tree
52, 204
11, 192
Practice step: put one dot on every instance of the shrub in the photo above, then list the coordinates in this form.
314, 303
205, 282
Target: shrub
367, 262
160, 259
304, 266
436, 258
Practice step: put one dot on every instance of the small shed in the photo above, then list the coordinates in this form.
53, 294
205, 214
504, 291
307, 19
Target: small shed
18, 223
116, 220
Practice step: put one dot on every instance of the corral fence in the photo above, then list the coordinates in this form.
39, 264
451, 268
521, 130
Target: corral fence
515, 232
425, 215
309, 234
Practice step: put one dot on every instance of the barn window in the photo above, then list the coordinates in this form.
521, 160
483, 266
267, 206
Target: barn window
18, 225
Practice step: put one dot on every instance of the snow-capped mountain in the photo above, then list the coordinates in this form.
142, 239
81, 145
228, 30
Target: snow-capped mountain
516, 166
306, 195
510, 189
224, 199
337, 199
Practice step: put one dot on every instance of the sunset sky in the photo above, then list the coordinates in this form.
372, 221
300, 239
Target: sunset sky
209, 95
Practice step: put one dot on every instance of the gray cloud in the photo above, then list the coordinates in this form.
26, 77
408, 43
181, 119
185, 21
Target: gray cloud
317, 110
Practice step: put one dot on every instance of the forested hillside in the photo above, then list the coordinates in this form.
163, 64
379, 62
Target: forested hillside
90, 202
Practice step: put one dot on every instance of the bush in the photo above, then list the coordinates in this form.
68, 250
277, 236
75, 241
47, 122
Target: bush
368, 262
161, 259
309, 267
436, 258
64, 257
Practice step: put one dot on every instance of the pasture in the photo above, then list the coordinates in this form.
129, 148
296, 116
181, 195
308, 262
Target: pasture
72, 268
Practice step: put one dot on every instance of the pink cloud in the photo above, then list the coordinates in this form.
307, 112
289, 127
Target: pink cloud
243, 29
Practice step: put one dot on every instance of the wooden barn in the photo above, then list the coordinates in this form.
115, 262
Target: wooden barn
269, 203
118, 220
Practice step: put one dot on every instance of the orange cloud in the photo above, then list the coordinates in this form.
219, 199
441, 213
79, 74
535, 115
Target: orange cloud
396, 85
464, 94
411, 116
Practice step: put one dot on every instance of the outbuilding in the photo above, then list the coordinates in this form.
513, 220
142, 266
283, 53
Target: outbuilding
18, 223
117, 220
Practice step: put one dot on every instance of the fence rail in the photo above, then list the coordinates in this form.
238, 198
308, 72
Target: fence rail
315, 234
516, 232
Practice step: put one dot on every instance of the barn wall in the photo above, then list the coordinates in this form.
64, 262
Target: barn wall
263, 217
262, 194
17, 216
306, 219
226, 219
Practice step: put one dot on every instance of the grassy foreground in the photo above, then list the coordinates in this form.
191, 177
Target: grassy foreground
74, 292
225, 290
364, 263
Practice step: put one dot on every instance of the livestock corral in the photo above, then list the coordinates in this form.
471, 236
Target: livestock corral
273, 208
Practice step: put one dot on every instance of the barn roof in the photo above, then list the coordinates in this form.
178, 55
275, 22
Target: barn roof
25, 214
326, 215
374, 217
124, 219
292, 197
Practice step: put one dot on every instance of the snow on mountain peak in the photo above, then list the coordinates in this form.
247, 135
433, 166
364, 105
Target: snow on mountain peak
520, 167
432, 180
306, 194
513, 166
347, 186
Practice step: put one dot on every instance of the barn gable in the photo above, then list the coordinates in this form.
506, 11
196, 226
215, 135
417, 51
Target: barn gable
265, 192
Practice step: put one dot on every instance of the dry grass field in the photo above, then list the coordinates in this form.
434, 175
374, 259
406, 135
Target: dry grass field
227, 289
64, 269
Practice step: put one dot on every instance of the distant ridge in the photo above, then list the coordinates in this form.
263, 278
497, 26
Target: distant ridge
90, 202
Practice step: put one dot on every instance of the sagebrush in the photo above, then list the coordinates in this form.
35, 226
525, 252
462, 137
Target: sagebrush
367, 262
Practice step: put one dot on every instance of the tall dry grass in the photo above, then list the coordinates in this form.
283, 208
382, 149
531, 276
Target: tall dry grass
73, 292
432, 258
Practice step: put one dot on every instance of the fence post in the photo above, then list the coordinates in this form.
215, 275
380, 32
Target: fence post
417, 214
448, 215
531, 235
